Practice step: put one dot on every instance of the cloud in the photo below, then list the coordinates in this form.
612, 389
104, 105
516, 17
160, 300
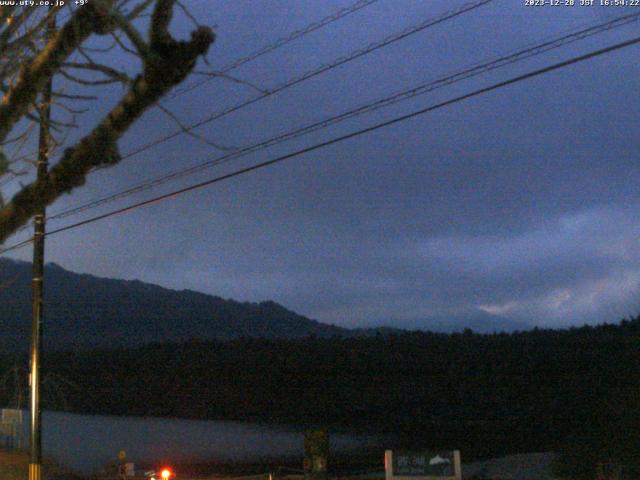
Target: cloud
500, 309
518, 203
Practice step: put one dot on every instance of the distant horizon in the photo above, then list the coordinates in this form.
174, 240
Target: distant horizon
439, 325
520, 202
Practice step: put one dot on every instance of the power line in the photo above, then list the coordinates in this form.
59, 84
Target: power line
469, 72
359, 5
372, 47
387, 123
467, 7
17, 246
317, 71
281, 42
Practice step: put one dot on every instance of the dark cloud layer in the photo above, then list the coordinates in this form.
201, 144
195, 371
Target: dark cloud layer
520, 203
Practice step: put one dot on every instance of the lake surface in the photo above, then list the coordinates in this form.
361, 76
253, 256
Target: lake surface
86, 443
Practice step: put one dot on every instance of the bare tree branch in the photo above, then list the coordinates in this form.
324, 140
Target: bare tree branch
89, 83
69, 96
190, 132
104, 69
233, 79
167, 63
34, 75
139, 9
186, 11
134, 36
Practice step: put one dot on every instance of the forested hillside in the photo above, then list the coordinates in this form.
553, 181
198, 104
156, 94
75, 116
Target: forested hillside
485, 394
85, 311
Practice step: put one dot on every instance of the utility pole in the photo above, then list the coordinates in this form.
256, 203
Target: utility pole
37, 282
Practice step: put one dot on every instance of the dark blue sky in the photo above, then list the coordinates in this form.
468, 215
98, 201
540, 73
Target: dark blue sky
521, 203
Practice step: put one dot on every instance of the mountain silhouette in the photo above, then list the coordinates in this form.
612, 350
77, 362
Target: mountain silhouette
83, 311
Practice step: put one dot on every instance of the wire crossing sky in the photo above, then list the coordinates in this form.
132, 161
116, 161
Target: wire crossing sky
508, 59
430, 22
510, 209
279, 43
311, 148
372, 47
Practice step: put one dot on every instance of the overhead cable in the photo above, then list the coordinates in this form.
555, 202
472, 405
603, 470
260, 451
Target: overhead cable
280, 43
421, 89
357, 133
372, 47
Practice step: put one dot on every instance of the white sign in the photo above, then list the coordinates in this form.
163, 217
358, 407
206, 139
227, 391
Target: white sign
11, 415
7, 429
400, 465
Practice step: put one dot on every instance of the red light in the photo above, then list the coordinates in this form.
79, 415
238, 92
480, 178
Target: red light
165, 474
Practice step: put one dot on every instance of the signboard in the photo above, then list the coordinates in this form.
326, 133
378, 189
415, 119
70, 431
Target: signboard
12, 415
7, 429
126, 470
401, 465
316, 454
11, 428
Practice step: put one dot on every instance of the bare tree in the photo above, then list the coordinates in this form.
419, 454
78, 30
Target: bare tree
29, 58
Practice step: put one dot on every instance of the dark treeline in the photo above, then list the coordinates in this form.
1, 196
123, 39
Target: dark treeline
574, 391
